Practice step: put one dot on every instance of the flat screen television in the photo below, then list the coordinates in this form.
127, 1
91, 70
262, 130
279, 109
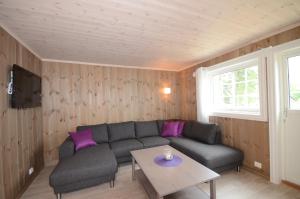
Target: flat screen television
26, 88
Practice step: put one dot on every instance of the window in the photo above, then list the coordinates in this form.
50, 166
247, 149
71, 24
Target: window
294, 82
237, 88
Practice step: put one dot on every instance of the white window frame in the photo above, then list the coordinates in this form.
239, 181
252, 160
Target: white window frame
260, 57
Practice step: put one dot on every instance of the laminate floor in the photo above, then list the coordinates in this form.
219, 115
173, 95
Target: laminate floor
231, 185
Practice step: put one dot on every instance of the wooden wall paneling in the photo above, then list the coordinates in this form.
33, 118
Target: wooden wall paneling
114, 96
24, 123
21, 132
175, 85
2, 113
249, 136
77, 95
128, 82
2, 190
188, 107
169, 109
143, 94
158, 100
83, 94
9, 51
21, 129
46, 102
104, 108
3, 77
129, 98
2, 90
57, 109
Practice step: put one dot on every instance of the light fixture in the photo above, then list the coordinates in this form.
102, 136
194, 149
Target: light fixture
167, 90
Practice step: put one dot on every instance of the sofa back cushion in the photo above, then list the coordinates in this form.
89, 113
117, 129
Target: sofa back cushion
218, 135
146, 129
187, 128
180, 128
160, 124
100, 132
121, 131
202, 132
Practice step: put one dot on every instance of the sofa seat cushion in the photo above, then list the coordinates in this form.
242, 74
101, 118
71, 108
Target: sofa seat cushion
211, 156
88, 163
122, 148
146, 129
154, 141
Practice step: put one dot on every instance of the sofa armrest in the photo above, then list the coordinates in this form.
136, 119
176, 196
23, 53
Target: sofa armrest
66, 149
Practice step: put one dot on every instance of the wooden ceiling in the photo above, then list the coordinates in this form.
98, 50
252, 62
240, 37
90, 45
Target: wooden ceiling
168, 34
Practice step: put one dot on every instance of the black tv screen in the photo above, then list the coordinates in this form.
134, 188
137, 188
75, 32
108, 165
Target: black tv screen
26, 88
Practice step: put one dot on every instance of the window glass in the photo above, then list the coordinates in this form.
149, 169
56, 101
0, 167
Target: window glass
237, 90
294, 82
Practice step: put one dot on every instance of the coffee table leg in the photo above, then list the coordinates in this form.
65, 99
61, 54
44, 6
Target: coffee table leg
212, 189
133, 168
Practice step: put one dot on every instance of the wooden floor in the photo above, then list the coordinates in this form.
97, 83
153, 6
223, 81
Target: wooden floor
231, 185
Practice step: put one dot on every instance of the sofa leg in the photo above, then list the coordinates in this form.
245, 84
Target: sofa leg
112, 183
238, 168
58, 196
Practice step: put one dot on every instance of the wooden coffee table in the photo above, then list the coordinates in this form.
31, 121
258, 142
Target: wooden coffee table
162, 181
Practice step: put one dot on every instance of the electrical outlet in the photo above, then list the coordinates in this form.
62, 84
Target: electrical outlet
30, 171
257, 164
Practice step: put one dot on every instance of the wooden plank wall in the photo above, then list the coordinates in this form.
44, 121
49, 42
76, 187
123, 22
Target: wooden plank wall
85, 94
240, 135
188, 100
21, 143
251, 137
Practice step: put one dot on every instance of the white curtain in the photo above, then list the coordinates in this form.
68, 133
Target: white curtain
202, 94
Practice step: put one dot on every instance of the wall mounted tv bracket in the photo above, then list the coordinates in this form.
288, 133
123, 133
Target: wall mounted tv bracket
10, 84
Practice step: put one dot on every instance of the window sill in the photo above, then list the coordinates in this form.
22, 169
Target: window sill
241, 115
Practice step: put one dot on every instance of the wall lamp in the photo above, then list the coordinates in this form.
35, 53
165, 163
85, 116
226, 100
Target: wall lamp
167, 90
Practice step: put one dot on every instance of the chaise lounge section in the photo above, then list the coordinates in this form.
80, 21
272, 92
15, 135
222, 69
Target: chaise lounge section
87, 167
98, 164
206, 147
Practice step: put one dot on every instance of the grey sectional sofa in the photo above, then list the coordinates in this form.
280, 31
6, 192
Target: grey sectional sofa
98, 164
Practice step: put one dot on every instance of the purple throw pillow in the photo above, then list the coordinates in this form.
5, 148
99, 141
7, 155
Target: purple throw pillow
180, 128
82, 139
170, 129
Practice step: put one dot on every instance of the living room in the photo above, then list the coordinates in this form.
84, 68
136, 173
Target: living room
149, 99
